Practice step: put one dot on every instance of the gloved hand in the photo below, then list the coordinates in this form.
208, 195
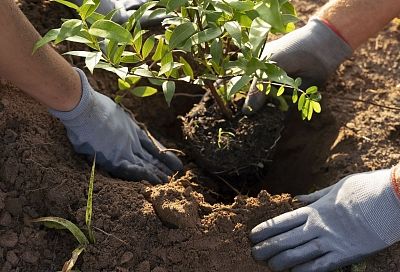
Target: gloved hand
357, 216
124, 8
312, 52
98, 125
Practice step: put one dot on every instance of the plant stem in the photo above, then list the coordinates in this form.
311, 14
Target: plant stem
222, 106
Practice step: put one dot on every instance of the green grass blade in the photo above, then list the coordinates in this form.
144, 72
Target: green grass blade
89, 205
78, 234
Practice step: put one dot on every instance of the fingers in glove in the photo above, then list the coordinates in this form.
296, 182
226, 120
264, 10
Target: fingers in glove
310, 198
167, 158
296, 256
277, 244
255, 99
278, 225
327, 262
139, 173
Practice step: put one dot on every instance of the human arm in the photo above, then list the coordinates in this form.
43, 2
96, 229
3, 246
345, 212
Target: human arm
95, 124
314, 51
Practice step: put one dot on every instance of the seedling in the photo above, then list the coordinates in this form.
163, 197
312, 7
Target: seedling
61, 223
202, 42
221, 135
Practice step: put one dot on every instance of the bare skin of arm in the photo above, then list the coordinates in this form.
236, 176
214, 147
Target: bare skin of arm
45, 75
358, 20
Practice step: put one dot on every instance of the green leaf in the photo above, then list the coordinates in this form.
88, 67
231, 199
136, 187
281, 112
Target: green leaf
216, 51
120, 72
187, 69
167, 63
271, 14
206, 35
158, 12
258, 35
87, 8
138, 37
311, 90
67, 3
135, 17
123, 85
295, 96
316, 106
237, 84
129, 57
132, 80
309, 110
241, 5
81, 37
50, 36
234, 30
78, 234
143, 73
159, 50
143, 91
92, 60
175, 4
94, 17
181, 33
302, 99
281, 90
110, 30
277, 74
110, 15
89, 204
69, 28
155, 81
116, 56
169, 91
148, 47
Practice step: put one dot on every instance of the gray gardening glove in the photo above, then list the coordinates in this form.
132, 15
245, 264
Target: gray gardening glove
357, 216
98, 125
312, 53
124, 8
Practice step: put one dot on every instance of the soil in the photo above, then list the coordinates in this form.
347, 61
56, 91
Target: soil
238, 147
184, 225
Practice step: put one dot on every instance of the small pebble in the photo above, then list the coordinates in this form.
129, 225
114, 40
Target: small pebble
9, 239
127, 257
30, 257
12, 258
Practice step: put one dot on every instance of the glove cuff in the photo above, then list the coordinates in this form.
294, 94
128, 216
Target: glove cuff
380, 205
82, 110
333, 50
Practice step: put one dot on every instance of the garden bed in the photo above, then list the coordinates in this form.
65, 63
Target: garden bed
196, 222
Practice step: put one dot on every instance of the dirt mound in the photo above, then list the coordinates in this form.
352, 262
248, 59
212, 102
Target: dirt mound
182, 226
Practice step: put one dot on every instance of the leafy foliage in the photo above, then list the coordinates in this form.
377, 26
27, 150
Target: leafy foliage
203, 41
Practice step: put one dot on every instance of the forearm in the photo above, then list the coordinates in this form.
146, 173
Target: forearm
45, 75
358, 20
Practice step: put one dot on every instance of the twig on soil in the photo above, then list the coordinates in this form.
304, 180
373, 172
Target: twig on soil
364, 101
188, 95
229, 185
152, 139
111, 235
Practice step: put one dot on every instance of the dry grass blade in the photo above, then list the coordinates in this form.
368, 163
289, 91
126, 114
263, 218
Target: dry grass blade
68, 265
52, 221
89, 205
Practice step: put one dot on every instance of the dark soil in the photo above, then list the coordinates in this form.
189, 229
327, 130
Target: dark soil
182, 225
241, 146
